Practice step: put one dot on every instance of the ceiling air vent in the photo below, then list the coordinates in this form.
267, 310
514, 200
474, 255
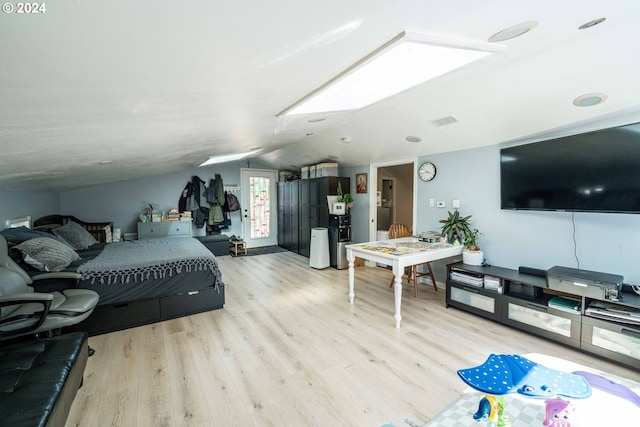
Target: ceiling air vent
444, 121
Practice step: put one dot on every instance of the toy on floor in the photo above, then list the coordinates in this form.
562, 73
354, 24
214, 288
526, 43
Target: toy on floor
491, 411
610, 387
511, 373
558, 413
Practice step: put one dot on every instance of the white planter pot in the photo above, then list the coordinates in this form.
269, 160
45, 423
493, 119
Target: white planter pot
472, 257
338, 208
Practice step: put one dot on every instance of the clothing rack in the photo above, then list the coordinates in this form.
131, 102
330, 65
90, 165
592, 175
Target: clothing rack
232, 188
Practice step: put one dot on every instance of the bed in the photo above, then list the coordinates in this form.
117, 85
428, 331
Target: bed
139, 281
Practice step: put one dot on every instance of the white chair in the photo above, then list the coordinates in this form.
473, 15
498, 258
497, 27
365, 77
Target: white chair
25, 312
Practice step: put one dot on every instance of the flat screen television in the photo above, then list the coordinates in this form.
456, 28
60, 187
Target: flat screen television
591, 172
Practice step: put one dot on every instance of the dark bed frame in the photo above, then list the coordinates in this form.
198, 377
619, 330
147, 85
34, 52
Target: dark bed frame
115, 317
95, 228
123, 315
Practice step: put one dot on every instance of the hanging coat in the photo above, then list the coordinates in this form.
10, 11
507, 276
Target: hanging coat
187, 193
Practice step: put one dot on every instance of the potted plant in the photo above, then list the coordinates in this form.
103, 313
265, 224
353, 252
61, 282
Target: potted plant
457, 229
346, 198
472, 254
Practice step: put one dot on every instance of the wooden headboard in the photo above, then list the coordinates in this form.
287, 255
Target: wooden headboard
101, 231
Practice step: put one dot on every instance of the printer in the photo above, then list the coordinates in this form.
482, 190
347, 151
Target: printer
591, 284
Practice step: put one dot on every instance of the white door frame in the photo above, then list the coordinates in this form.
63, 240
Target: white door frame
272, 240
373, 187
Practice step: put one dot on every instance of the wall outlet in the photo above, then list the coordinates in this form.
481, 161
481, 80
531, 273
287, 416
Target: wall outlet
441, 204
432, 202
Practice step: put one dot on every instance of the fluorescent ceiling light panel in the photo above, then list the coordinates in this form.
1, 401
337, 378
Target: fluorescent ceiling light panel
402, 63
228, 157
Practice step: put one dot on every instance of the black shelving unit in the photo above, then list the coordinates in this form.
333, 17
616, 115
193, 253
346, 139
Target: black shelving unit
302, 205
522, 301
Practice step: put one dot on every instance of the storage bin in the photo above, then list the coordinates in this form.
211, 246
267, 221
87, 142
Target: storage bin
326, 169
312, 171
304, 172
285, 176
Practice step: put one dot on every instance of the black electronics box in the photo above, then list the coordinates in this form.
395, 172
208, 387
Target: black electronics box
520, 290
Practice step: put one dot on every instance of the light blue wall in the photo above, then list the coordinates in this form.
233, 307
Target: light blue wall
15, 204
122, 202
603, 242
360, 210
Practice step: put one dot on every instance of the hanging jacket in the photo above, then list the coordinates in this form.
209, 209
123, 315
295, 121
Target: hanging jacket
220, 190
215, 214
199, 189
211, 193
184, 197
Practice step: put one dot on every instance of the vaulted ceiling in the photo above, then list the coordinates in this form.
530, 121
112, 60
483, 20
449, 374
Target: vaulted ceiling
100, 91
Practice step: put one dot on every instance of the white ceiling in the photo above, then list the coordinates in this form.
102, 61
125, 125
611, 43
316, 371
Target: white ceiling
159, 86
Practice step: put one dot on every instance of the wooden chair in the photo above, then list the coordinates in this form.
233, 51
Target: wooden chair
397, 231
400, 230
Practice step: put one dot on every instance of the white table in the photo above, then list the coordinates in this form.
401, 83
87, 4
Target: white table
398, 253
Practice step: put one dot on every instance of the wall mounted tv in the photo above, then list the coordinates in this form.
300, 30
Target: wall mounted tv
590, 172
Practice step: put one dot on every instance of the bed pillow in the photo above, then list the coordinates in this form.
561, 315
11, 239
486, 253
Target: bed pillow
75, 235
20, 234
108, 236
47, 254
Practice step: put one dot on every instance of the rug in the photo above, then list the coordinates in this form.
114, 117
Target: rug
521, 413
263, 250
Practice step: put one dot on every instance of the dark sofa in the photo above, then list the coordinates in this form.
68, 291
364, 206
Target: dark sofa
39, 379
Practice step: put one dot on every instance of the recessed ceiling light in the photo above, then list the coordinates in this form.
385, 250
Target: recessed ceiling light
413, 139
309, 134
590, 99
317, 119
105, 162
346, 140
592, 23
513, 32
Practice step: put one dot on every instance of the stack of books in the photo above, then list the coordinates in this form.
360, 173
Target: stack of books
186, 216
173, 215
570, 305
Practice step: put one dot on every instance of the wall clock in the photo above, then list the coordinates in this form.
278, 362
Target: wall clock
427, 171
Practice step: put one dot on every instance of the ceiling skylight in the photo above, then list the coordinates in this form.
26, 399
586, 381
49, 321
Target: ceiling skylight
229, 157
400, 64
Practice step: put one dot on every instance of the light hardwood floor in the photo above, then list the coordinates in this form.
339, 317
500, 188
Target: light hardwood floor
289, 350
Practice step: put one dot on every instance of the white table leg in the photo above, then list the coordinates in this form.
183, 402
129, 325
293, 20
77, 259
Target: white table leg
397, 292
352, 273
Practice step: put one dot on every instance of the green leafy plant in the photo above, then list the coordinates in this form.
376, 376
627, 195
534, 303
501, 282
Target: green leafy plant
471, 241
343, 198
457, 227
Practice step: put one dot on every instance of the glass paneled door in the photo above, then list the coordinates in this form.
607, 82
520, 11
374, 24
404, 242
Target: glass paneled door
259, 207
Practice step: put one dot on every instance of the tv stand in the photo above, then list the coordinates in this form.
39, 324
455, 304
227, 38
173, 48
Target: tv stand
522, 300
